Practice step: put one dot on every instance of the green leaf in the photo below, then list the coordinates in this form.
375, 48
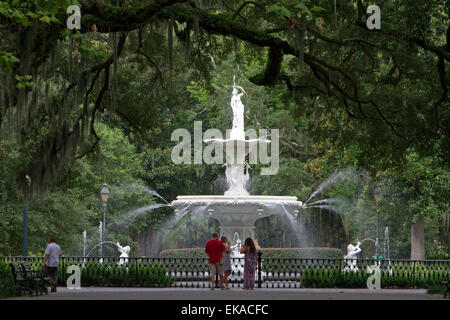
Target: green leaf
5, 12
45, 19
32, 15
6, 59
66, 32
77, 35
317, 9
278, 10
304, 9
20, 18
54, 19
25, 81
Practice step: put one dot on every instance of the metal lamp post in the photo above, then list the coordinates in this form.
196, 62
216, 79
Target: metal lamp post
386, 240
25, 230
377, 196
105, 195
25, 217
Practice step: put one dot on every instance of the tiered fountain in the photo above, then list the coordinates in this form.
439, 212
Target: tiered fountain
237, 210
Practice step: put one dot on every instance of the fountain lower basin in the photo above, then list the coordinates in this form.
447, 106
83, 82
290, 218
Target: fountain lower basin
238, 213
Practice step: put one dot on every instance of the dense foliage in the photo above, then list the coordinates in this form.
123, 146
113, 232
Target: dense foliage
113, 275
400, 278
79, 108
7, 287
95, 274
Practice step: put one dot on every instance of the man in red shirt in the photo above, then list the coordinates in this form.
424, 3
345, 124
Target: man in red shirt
214, 249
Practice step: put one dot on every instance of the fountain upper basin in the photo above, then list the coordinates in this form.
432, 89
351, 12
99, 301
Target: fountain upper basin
237, 203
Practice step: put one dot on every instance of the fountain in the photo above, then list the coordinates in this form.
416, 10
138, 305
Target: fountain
237, 210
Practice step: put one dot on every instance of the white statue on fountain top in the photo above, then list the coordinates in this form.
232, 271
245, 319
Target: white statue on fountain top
236, 173
352, 251
125, 251
237, 132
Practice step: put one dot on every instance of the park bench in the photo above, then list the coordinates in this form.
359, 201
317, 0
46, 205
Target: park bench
446, 283
27, 280
37, 277
21, 282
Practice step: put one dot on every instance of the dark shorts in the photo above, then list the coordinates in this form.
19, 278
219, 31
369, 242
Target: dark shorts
52, 273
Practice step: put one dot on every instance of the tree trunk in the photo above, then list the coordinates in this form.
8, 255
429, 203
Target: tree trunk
148, 242
418, 240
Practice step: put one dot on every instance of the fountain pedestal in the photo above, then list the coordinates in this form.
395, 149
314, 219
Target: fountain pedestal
245, 232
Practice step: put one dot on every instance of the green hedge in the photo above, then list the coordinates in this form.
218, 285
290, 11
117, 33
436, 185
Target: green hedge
302, 253
272, 253
96, 274
7, 287
110, 274
184, 253
400, 277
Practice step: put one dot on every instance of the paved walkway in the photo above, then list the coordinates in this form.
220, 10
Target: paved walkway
91, 293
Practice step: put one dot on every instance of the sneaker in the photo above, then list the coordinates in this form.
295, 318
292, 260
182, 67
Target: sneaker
212, 288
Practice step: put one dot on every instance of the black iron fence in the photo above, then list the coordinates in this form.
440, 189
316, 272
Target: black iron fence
271, 273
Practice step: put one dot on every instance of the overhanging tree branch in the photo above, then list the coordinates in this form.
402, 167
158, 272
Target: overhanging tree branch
109, 18
440, 51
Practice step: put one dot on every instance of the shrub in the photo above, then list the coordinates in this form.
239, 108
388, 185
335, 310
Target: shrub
399, 277
7, 287
301, 253
184, 253
437, 289
111, 274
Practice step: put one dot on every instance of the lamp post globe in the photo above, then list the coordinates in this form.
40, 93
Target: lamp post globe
104, 193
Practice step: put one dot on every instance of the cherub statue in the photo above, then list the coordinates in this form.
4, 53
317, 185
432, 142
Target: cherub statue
124, 253
352, 251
